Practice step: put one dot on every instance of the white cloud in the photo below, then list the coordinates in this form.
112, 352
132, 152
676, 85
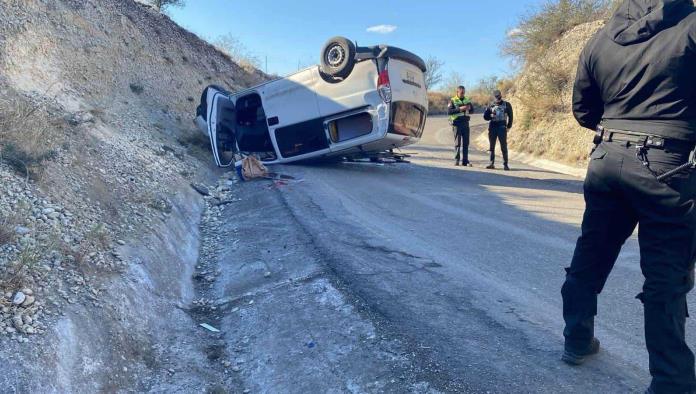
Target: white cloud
381, 29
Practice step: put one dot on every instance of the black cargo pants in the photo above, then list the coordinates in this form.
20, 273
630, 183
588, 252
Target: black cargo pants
461, 141
620, 192
498, 131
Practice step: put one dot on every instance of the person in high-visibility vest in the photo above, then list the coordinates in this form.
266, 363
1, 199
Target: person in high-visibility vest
459, 109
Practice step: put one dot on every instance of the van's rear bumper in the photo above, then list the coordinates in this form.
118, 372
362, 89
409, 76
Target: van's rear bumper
385, 51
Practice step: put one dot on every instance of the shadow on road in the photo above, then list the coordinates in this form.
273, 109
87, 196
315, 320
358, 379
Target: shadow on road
473, 175
486, 314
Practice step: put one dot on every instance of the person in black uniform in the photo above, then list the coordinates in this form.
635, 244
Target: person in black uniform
636, 79
499, 115
459, 109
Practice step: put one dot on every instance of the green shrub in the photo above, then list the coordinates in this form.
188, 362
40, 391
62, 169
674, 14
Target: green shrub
541, 28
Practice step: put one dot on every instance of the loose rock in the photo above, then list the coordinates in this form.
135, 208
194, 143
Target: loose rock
19, 298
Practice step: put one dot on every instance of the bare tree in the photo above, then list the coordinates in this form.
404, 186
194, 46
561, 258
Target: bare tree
161, 5
455, 79
237, 51
433, 73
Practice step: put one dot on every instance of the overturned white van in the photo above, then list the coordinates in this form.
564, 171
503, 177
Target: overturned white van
359, 103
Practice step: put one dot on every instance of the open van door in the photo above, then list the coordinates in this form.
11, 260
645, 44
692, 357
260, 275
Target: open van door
222, 120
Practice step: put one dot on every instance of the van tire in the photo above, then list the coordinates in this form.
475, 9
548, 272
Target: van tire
338, 57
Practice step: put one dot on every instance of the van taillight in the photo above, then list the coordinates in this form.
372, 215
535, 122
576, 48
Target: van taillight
384, 87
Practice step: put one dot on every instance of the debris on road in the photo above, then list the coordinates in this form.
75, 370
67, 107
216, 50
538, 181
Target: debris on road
253, 168
209, 327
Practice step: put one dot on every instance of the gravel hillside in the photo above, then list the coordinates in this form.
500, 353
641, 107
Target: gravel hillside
548, 83
553, 134
98, 223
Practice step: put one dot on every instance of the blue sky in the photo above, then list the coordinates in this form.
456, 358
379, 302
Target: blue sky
465, 35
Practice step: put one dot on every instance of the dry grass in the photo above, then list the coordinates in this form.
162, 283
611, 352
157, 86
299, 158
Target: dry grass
437, 103
27, 139
7, 229
547, 87
539, 29
19, 272
6, 234
97, 238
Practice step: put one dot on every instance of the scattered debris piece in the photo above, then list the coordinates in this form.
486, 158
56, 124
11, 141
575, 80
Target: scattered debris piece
253, 168
209, 327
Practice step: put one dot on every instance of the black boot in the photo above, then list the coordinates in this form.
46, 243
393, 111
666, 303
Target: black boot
577, 357
490, 166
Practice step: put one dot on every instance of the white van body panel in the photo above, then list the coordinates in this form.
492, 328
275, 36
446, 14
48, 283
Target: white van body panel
292, 99
358, 90
407, 83
307, 98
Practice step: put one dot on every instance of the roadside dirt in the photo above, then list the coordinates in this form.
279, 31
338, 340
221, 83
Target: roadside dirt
287, 322
98, 223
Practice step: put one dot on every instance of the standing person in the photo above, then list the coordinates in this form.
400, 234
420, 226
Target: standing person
499, 115
459, 109
636, 77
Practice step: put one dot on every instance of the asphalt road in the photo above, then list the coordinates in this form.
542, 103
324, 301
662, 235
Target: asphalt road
467, 265
420, 277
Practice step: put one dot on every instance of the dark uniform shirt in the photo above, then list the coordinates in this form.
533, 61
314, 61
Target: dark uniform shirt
643, 78
488, 114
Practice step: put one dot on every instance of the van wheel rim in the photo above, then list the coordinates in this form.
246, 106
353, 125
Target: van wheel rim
335, 56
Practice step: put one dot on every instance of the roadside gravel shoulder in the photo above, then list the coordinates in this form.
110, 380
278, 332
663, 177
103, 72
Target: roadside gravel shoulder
287, 323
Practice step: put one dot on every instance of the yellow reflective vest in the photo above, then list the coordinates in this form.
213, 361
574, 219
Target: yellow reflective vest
458, 102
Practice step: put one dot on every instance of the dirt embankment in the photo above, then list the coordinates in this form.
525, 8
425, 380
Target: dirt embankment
544, 123
98, 226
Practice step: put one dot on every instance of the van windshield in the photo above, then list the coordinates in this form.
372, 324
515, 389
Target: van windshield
407, 119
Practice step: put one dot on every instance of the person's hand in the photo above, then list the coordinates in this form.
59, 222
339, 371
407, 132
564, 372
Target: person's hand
463, 108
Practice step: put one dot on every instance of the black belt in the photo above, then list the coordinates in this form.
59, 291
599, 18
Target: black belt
644, 142
648, 141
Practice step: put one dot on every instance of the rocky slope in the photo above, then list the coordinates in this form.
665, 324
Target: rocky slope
98, 226
544, 123
552, 132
